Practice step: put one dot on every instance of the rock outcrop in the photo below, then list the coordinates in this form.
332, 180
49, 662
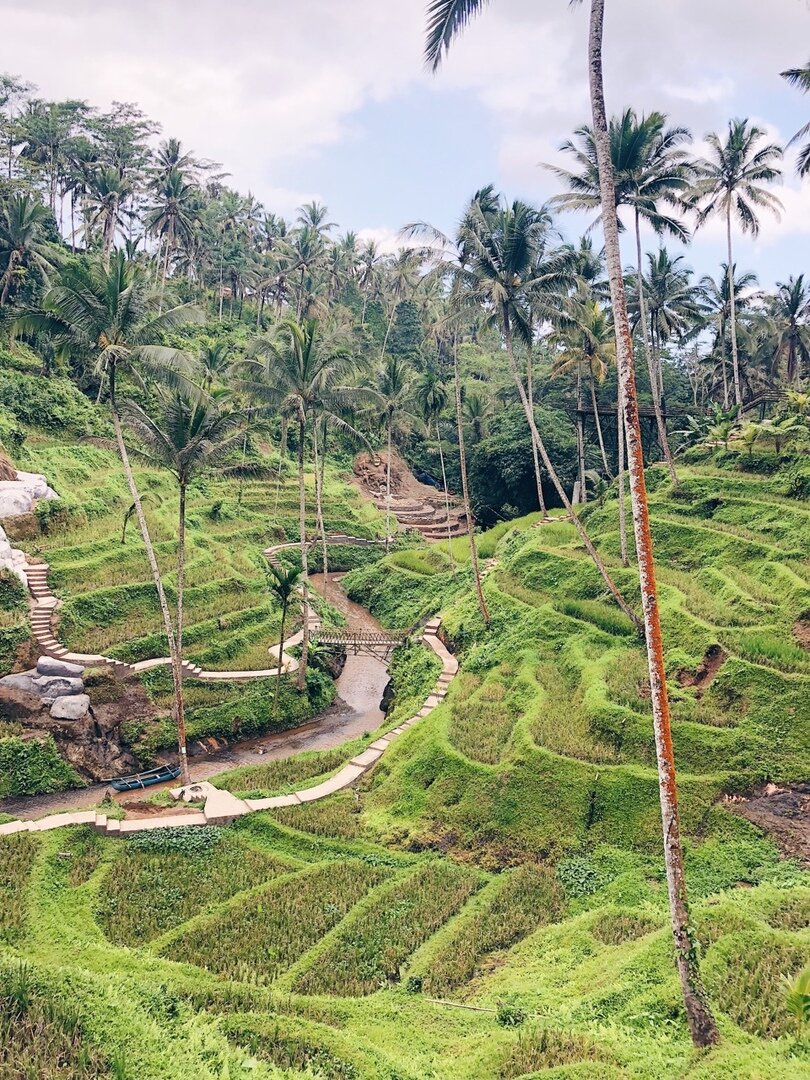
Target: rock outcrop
19, 496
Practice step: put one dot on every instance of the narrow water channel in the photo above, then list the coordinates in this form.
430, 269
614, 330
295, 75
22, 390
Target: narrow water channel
356, 710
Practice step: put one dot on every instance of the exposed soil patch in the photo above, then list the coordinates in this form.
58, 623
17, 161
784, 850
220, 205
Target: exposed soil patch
801, 631
783, 813
705, 673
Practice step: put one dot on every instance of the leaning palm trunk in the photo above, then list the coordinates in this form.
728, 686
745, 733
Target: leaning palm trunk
465, 490
701, 1022
280, 655
177, 676
583, 488
318, 462
535, 457
181, 574
388, 486
645, 337
735, 358
598, 425
621, 452
555, 479
282, 450
302, 524
446, 494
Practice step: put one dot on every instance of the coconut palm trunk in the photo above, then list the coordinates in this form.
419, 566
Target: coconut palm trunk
446, 493
583, 488
699, 1016
181, 571
621, 448
302, 524
465, 490
177, 676
388, 484
651, 369
282, 450
318, 459
735, 356
558, 486
538, 479
598, 424
284, 606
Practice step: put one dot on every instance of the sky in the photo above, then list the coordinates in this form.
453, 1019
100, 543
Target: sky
330, 99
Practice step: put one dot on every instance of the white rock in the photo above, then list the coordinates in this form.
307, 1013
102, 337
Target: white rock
75, 707
18, 496
19, 682
49, 686
49, 665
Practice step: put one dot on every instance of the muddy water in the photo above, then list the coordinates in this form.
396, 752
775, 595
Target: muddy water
356, 710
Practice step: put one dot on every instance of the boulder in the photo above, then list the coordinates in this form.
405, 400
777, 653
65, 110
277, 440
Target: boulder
19, 682
75, 707
52, 686
12, 559
18, 496
49, 665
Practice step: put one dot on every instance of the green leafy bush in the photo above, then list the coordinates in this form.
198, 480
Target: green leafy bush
33, 767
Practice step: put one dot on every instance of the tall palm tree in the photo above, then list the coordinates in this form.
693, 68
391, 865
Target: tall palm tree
790, 309
174, 214
21, 243
718, 297
192, 436
446, 19
107, 192
673, 302
392, 386
800, 77
283, 583
430, 394
587, 345
499, 245
652, 172
303, 374
730, 184
109, 313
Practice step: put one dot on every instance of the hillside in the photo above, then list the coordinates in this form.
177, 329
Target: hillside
503, 855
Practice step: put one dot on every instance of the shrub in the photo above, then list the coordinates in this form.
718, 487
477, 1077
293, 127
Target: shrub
546, 1048
33, 767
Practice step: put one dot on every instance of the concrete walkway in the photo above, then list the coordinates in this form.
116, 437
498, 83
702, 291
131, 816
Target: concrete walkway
221, 807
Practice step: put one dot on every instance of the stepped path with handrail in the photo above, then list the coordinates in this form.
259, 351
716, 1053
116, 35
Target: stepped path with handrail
221, 807
44, 606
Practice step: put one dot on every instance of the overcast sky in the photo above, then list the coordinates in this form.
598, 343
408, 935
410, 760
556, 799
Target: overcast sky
329, 99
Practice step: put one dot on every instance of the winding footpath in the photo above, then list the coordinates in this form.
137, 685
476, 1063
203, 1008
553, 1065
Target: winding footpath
221, 807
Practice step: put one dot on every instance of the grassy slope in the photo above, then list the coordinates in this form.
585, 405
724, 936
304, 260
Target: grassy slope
542, 749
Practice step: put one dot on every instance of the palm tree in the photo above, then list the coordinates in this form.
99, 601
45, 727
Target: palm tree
402, 279
392, 386
717, 297
431, 398
730, 184
651, 172
499, 247
477, 411
110, 314
20, 244
446, 19
193, 436
302, 375
800, 77
587, 343
283, 583
790, 308
673, 303
107, 192
174, 215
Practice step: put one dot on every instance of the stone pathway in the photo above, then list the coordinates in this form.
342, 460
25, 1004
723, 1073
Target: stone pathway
221, 807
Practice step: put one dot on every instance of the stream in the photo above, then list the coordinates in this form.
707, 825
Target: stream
355, 710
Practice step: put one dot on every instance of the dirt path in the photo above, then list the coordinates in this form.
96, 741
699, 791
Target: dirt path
783, 813
356, 710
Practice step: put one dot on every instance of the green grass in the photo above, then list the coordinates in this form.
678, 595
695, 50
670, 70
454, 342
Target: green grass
17, 853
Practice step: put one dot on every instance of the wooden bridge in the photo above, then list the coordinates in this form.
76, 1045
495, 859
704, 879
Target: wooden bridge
375, 643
